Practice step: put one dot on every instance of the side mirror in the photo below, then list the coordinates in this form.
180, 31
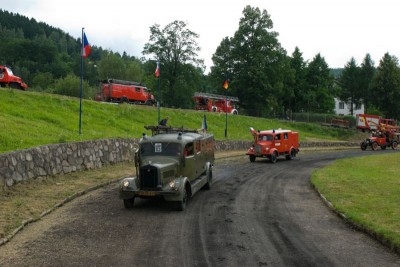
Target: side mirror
135, 147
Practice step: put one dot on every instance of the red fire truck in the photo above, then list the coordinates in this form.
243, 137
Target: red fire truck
366, 122
216, 103
274, 143
120, 91
7, 78
384, 132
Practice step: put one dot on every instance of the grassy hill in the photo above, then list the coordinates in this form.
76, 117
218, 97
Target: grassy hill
29, 119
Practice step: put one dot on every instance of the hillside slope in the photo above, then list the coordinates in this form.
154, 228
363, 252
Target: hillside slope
29, 119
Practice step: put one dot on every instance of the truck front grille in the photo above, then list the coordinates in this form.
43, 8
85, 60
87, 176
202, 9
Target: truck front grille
258, 149
149, 178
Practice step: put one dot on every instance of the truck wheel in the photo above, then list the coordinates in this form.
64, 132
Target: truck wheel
15, 86
394, 145
181, 205
128, 203
291, 155
149, 103
207, 186
374, 146
363, 146
273, 157
252, 158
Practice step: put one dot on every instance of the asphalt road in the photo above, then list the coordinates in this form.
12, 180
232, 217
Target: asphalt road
256, 214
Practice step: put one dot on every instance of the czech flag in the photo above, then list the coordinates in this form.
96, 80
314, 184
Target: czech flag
226, 84
157, 72
85, 47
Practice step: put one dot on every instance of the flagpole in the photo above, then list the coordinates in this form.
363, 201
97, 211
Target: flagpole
226, 85
159, 95
226, 113
81, 89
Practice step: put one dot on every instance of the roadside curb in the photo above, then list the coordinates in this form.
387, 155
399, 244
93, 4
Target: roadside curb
378, 237
66, 200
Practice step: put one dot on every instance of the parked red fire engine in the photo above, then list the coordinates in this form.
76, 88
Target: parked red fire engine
366, 122
384, 132
120, 91
7, 78
274, 143
216, 103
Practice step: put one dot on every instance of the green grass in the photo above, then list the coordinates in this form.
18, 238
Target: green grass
366, 190
30, 119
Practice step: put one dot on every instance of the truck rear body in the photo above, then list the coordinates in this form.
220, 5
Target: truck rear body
124, 91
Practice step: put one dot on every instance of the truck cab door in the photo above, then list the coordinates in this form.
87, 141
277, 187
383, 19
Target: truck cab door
190, 162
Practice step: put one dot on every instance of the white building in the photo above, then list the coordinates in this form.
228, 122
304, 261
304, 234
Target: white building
343, 108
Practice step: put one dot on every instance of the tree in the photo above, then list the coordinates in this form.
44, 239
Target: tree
174, 47
111, 66
298, 66
254, 60
320, 85
350, 84
70, 86
386, 86
223, 65
134, 71
367, 72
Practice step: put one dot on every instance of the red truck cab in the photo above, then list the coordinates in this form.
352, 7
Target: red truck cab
7, 78
274, 143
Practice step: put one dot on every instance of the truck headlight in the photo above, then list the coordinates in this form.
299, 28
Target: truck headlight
125, 183
174, 185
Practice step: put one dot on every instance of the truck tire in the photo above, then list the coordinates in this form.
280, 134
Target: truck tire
252, 158
15, 86
291, 155
363, 146
149, 103
181, 205
128, 203
374, 146
394, 145
273, 157
207, 186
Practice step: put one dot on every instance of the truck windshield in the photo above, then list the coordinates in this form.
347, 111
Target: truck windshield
160, 149
265, 137
9, 71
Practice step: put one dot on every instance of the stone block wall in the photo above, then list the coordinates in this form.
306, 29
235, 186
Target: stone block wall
64, 158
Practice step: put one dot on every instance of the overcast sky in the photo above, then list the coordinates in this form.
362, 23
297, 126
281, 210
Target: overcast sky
338, 29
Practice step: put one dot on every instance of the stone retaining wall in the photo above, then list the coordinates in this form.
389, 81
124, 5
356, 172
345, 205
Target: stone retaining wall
64, 158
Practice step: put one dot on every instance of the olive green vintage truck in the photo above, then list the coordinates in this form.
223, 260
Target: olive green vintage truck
173, 163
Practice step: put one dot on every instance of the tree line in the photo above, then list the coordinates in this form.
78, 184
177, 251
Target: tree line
267, 80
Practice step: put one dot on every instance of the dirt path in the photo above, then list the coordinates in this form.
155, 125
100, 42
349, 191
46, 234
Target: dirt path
256, 214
